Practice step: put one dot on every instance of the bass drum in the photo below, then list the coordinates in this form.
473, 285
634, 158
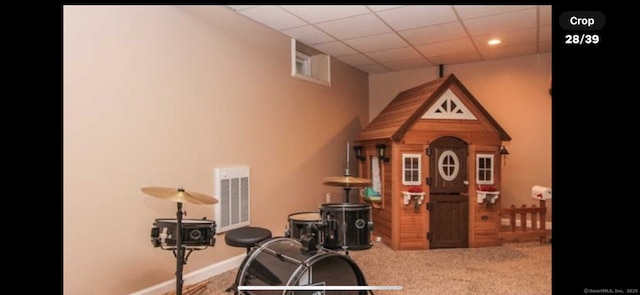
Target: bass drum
282, 262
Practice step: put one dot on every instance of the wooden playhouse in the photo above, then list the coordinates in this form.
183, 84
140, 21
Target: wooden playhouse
434, 157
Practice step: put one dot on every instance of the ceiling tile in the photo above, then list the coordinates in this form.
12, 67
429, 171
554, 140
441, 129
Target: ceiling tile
273, 17
544, 34
396, 54
456, 58
353, 27
545, 15
544, 46
414, 16
408, 64
356, 59
435, 33
513, 21
495, 53
335, 48
308, 35
377, 42
447, 47
373, 69
383, 38
383, 7
473, 11
241, 7
321, 13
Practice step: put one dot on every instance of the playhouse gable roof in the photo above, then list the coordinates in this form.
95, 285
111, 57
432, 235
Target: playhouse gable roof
414, 103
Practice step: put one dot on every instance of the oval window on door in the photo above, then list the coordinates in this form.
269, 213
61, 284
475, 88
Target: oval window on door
448, 165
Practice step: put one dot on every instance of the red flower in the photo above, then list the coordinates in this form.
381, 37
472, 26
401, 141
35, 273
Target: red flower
487, 188
415, 189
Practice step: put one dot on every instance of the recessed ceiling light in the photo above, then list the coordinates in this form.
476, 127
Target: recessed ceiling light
494, 41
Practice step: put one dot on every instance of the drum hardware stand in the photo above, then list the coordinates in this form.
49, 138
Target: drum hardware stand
309, 243
344, 231
180, 255
347, 189
179, 252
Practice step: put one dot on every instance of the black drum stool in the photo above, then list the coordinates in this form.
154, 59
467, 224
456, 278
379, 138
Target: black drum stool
246, 237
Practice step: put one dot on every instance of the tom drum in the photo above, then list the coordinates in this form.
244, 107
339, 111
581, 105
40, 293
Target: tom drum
347, 225
194, 232
304, 223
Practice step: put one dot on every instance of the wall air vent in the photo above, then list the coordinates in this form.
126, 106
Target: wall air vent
232, 191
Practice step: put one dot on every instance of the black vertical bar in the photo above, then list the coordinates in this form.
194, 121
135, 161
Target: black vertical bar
180, 253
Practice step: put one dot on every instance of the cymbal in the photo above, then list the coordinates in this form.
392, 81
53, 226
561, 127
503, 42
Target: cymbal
178, 195
346, 181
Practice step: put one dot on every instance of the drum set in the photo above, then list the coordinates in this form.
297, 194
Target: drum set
336, 226
306, 256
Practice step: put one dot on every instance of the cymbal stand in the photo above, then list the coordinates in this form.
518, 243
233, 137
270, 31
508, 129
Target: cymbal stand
180, 254
344, 231
347, 189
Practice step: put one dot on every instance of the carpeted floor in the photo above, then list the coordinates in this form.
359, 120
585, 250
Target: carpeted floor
522, 268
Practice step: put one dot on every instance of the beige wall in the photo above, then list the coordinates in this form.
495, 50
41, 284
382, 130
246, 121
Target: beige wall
515, 91
161, 96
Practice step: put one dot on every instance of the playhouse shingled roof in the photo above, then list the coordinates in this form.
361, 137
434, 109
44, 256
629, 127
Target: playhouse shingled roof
409, 105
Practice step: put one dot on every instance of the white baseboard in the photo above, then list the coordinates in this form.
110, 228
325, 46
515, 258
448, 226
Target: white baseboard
195, 276
505, 221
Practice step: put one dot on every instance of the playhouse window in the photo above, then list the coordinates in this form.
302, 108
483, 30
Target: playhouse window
448, 165
411, 169
484, 169
376, 175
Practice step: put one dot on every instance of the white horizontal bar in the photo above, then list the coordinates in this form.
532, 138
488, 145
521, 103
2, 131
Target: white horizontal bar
317, 288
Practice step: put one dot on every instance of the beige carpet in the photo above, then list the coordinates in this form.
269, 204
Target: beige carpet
515, 268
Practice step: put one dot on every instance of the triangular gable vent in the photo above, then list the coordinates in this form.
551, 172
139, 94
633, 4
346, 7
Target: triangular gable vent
448, 106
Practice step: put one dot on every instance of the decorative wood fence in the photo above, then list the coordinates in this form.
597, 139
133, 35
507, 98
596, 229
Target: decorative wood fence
517, 228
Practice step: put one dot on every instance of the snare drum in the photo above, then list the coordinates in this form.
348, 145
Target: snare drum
281, 262
303, 223
195, 232
347, 225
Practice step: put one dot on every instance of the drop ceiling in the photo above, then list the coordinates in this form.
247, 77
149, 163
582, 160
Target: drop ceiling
386, 38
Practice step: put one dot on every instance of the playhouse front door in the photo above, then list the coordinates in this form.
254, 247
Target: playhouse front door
449, 204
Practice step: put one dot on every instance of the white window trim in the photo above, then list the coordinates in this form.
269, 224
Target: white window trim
491, 169
404, 169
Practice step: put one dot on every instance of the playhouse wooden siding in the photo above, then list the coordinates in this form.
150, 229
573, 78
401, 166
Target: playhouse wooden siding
402, 129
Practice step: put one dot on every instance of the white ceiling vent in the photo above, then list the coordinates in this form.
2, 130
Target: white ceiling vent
232, 190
